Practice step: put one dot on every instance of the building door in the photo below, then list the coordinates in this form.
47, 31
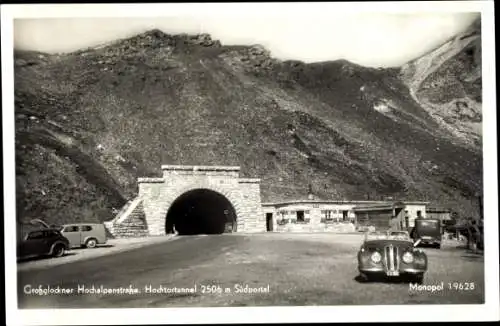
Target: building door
345, 216
269, 222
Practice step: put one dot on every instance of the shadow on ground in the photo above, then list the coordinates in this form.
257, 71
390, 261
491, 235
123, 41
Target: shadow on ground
25, 260
471, 256
98, 246
382, 279
427, 246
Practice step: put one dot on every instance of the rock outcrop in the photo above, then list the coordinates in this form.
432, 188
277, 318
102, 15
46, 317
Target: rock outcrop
447, 83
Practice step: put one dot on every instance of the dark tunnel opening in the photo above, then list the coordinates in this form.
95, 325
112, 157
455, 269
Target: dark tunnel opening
201, 211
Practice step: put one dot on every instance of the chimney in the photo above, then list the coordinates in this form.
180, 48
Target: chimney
310, 194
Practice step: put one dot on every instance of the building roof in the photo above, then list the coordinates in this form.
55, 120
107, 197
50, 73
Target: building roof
386, 206
320, 201
373, 208
360, 203
437, 209
200, 168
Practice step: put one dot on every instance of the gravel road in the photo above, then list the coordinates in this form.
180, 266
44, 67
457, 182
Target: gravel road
285, 269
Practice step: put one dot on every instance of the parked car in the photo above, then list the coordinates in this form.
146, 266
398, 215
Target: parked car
428, 230
84, 234
391, 254
41, 242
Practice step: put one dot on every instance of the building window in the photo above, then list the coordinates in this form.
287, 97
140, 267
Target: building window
419, 214
282, 221
301, 218
328, 215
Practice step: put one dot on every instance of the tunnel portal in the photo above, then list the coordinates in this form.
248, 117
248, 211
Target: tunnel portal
201, 211
192, 199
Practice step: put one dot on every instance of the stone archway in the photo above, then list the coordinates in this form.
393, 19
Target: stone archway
166, 198
201, 211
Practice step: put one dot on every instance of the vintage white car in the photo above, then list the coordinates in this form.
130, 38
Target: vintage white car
391, 254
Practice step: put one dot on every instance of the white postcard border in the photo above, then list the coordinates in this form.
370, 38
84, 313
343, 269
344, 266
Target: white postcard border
488, 311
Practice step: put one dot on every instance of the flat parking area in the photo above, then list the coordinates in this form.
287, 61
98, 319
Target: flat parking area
113, 246
292, 269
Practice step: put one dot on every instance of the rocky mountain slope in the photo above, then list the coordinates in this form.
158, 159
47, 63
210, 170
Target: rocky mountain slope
446, 82
89, 123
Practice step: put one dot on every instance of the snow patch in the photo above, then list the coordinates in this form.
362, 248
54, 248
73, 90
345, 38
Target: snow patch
382, 108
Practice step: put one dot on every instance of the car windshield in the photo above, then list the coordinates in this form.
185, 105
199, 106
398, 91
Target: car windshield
376, 235
399, 235
432, 223
391, 235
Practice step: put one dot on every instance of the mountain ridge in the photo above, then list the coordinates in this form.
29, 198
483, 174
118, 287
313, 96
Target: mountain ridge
89, 122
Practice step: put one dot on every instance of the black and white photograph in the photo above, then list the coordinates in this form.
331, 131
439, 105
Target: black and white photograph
250, 162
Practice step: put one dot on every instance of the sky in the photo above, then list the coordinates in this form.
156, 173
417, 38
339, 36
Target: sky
372, 39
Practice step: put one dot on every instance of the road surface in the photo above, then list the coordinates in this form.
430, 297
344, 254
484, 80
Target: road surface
279, 269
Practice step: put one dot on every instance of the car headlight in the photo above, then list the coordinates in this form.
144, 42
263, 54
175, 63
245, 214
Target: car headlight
376, 257
408, 257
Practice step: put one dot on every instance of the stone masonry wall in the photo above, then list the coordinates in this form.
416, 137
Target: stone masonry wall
335, 227
130, 226
153, 196
158, 194
134, 226
251, 218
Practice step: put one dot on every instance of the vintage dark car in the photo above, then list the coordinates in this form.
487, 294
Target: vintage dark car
428, 230
41, 242
391, 254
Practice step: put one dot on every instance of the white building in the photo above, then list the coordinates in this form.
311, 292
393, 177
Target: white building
339, 216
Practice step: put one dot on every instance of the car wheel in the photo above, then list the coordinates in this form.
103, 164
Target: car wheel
58, 250
91, 243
